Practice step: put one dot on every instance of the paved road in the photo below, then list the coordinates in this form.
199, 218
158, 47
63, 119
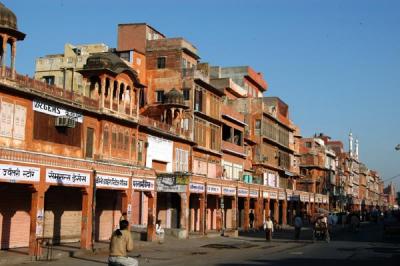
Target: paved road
346, 248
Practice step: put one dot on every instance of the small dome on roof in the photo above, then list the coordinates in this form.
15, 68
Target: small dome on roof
174, 97
7, 18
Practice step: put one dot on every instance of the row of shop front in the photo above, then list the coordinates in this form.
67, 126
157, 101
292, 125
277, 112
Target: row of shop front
64, 204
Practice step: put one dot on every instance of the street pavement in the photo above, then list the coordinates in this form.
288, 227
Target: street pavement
368, 247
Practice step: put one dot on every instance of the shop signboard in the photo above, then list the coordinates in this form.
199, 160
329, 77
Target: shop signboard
304, 198
229, 191
55, 110
265, 194
213, 189
14, 173
61, 177
108, 181
168, 183
196, 188
242, 192
273, 195
282, 195
142, 184
253, 193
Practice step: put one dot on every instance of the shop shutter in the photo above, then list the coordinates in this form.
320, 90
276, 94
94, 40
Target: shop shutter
15, 203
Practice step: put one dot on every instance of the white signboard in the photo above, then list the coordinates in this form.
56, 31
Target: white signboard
312, 198
254, 193
273, 195
112, 181
13, 173
242, 192
229, 191
282, 195
196, 188
304, 198
54, 110
211, 189
60, 177
265, 194
142, 184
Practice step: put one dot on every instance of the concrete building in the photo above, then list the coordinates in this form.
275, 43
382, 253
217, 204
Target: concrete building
61, 70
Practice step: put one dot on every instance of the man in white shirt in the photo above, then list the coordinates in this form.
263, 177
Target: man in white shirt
269, 228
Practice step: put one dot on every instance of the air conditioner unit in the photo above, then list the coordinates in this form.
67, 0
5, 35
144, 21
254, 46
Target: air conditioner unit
64, 121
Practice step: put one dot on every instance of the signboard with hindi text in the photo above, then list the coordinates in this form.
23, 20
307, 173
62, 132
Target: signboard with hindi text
229, 191
253, 193
212, 189
196, 188
61, 177
112, 181
14, 173
242, 192
142, 184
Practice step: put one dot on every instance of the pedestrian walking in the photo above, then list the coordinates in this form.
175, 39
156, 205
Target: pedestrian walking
251, 218
121, 242
298, 223
269, 229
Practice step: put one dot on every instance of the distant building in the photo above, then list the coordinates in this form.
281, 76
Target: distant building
61, 70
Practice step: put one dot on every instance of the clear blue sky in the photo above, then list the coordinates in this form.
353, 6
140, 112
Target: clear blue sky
336, 63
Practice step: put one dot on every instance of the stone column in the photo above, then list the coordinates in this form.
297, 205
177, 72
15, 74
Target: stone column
86, 225
234, 212
276, 210
111, 93
118, 91
151, 216
184, 219
13, 55
131, 99
284, 212
218, 213
37, 218
4, 56
266, 208
202, 216
246, 214
103, 92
